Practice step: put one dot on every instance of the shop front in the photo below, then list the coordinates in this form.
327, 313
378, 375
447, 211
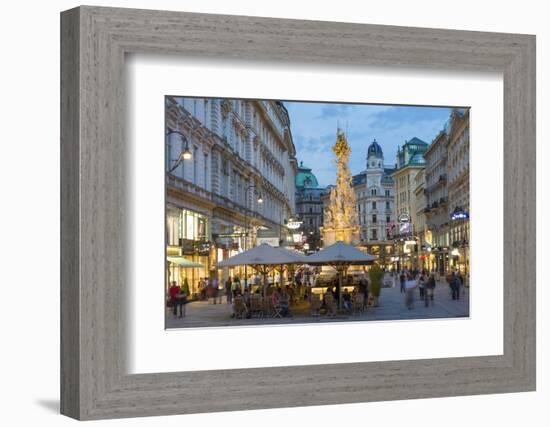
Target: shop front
187, 237
229, 240
383, 251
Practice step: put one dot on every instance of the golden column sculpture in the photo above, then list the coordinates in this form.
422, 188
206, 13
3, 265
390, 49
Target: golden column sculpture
341, 221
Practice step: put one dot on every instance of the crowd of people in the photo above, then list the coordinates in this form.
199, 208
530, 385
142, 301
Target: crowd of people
300, 288
412, 279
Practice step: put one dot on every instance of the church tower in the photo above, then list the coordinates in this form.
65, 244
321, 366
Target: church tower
375, 156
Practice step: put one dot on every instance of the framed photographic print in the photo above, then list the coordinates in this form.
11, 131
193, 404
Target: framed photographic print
272, 209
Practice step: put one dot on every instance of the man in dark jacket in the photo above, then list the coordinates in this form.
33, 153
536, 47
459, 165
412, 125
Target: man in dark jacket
454, 283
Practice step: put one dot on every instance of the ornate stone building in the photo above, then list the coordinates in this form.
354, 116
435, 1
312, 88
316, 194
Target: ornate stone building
437, 206
458, 173
419, 219
374, 191
409, 161
309, 207
239, 178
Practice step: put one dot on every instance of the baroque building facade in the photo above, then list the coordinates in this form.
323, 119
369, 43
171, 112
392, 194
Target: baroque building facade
409, 162
437, 204
458, 172
419, 219
309, 208
374, 190
238, 181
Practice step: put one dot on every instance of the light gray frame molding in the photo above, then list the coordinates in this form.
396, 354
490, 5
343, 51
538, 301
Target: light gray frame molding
94, 41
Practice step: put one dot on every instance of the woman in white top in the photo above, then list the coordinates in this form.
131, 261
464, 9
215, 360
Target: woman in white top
410, 285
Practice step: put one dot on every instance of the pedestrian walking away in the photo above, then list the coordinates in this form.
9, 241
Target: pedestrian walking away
402, 278
429, 291
421, 286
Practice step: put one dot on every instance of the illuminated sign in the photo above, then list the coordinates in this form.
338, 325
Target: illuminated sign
459, 215
404, 217
405, 228
271, 241
293, 225
297, 237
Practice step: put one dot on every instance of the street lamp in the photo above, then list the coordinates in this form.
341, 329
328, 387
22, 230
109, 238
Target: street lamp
186, 153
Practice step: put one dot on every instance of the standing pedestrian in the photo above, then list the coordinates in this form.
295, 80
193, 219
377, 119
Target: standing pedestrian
202, 289
402, 278
421, 286
181, 299
174, 290
454, 285
429, 291
410, 286
228, 291
457, 283
236, 286
219, 288
460, 283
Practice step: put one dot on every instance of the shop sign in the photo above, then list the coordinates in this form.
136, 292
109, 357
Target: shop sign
459, 215
272, 241
405, 228
404, 217
293, 225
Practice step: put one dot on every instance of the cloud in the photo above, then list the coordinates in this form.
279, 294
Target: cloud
314, 130
336, 110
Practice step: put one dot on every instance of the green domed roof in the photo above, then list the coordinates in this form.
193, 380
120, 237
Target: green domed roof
305, 178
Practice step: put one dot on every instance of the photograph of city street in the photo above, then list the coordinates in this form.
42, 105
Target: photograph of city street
295, 212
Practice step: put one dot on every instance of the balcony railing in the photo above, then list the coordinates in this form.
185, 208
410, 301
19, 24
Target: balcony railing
188, 187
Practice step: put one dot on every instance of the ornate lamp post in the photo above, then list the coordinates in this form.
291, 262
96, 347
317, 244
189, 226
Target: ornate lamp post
185, 154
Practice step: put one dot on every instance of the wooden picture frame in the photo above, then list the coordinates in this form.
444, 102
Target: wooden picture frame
94, 41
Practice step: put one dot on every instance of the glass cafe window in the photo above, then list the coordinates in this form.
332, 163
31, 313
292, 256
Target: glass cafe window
196, 226
184, 224
173, 226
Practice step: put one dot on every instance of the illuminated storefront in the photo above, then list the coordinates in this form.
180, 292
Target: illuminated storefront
187, 236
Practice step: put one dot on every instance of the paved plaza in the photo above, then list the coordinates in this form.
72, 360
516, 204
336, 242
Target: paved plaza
391, 307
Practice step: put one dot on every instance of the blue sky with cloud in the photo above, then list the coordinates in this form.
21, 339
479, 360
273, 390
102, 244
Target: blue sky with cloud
314, 131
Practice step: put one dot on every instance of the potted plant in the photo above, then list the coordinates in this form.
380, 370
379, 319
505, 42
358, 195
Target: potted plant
185, 287
376, 275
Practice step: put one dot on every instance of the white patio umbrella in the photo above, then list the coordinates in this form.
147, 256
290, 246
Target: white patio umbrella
264, 258
340, 256
298, 256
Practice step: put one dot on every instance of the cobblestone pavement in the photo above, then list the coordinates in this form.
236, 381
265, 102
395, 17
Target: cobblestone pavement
391, 307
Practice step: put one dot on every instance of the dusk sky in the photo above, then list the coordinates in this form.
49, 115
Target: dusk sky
314, 125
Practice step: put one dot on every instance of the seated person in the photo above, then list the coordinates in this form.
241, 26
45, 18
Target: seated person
246, 297
239, 307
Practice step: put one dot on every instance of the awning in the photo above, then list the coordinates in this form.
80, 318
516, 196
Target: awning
183, 262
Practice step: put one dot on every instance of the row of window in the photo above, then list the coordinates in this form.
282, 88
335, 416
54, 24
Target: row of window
363, 219
374, 236
404, 196
374, 192
374, 206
